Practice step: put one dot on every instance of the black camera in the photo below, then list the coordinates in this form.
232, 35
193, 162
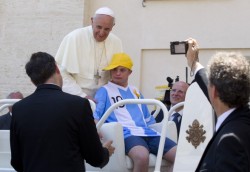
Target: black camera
178, 47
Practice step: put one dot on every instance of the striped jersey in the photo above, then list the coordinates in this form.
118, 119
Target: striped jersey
134, 118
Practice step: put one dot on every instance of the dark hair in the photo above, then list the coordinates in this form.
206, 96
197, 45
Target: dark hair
40, 67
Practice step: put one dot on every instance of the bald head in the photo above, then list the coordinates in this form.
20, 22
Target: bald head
178, 92
14, 95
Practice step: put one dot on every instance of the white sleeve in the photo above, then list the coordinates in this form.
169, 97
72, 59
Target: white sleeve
70, 86
198, 67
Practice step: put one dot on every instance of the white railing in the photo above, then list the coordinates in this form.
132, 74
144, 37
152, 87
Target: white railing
149, 102
7, 102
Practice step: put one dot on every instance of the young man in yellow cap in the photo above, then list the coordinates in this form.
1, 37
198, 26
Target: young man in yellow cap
140, 140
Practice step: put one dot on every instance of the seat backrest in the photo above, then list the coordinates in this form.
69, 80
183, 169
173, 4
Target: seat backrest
5, 149
5, 154
197, 128
119, 161
4, 103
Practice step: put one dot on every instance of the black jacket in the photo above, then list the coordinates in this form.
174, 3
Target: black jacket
52, 131
5, 121
229, 148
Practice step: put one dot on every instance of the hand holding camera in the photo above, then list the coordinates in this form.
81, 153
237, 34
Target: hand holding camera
182, 47
192, 54
188, 47
193, 51
178, 47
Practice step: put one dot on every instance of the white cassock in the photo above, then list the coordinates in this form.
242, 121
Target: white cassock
80, 59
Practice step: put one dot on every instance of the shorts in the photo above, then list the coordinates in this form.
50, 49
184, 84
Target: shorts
150, 143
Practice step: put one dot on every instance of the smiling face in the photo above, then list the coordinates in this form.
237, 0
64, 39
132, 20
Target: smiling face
178, 92
102, 25
119, 75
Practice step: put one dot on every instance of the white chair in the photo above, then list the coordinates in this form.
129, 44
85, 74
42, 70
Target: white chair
5, 153
197, 128
119, 162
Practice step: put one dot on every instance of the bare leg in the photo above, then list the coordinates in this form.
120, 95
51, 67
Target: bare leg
140, 157
170, 155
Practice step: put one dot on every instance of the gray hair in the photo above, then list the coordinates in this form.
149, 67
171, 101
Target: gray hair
229, 72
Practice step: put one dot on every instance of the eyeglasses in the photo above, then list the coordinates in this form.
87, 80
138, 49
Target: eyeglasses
177, 91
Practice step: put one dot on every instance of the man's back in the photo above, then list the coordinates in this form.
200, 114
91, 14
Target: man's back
55, 132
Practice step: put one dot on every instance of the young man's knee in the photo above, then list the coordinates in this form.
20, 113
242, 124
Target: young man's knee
139, 153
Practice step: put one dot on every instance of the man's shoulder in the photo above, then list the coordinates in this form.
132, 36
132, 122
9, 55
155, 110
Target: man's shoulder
5, 116
69, 97
111, 85
133, 87
103, 89
58, 96
79, 31
5, 121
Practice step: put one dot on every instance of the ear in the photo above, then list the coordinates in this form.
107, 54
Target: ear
57, 70
213, 92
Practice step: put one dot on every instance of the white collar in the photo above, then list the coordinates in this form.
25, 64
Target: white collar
222, 118
180, 112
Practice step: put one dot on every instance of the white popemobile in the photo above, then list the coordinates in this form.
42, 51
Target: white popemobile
196, 130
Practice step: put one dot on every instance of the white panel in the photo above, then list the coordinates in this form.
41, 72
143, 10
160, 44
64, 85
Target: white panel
187, 155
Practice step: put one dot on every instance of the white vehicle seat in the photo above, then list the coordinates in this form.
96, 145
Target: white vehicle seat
5, 154
197, 128
119, 162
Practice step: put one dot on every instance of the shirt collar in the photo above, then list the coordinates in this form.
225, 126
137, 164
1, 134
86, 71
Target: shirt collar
180, 112
222, 118
171, 115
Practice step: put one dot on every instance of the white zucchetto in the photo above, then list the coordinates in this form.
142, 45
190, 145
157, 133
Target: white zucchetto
105, 11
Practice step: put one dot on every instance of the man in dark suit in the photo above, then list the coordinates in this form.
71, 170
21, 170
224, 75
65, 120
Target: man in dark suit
177, 94
51, 130
228, 91
6, 118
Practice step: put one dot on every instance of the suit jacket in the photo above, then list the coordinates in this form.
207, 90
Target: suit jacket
159, 118
229, 148
202, 81
5, 121
52, 131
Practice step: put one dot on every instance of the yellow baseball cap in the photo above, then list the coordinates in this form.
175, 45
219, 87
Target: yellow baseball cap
120, 59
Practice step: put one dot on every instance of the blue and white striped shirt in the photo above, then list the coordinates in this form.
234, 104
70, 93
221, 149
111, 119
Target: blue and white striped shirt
134, 118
